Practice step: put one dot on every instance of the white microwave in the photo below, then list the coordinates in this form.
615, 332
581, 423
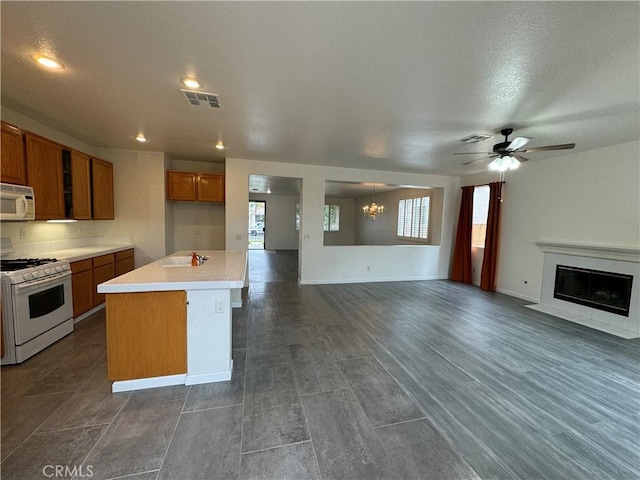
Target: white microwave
16, 202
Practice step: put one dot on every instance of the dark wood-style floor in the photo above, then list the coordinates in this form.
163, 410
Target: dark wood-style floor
424, 380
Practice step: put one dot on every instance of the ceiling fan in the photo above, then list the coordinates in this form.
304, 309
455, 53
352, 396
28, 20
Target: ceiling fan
507, 153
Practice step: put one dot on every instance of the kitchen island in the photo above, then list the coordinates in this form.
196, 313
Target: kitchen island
169, 323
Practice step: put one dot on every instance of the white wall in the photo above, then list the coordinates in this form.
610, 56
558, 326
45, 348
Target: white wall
336, 264
280, 225
139, 193
591, 197
198, 226
169, 243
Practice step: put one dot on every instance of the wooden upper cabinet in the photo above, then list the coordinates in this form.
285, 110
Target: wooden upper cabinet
210, 187
181, 186
195, 187
102, 189
44, 174
81, 185
12, 162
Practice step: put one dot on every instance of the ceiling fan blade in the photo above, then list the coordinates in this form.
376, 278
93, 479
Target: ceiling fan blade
517, 143
473, 153
564, 146
479, 160
520, 158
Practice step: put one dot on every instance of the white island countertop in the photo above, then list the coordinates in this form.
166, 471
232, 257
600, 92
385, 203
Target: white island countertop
223, 269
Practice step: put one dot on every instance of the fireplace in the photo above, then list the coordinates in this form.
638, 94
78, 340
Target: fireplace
607, 291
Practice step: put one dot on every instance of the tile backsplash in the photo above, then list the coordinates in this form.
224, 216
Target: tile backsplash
31, 238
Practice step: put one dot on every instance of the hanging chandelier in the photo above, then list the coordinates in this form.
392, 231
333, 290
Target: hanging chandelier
373, 210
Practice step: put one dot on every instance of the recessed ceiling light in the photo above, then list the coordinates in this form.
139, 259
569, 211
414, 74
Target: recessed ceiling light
190, 82
47, 62
220, 146
141, 138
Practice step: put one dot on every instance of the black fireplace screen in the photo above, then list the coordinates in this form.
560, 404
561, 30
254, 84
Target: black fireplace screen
606, 291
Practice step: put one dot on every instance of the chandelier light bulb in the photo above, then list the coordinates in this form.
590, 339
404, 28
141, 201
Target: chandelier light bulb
373, 210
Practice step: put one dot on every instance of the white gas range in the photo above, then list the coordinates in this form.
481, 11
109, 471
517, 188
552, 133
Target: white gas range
37, 306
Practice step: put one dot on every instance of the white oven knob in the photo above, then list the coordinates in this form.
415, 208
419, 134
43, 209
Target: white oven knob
37, 274
48, 271
28, 276
59, 268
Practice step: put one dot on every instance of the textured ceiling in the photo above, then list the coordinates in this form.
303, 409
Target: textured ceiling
384, 85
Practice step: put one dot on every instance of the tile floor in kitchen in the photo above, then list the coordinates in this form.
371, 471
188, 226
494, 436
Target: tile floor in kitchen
388, 380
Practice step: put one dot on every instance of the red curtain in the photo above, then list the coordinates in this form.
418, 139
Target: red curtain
461, 269
492, 240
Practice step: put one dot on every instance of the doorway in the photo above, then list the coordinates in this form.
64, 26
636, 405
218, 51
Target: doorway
257, 218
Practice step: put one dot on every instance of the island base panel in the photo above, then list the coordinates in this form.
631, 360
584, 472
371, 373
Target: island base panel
146, 334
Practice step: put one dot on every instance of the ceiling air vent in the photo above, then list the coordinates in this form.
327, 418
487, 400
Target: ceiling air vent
475, 138
201, 98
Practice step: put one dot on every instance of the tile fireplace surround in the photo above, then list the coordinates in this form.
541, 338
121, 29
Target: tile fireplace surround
608, 258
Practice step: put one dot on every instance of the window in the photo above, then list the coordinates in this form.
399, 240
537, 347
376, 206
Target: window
480, 212
413, 218
331, 218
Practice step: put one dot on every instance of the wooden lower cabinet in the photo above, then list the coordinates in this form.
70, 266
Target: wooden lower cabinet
146, 334
82, 286
124, 262
104, 269
87, 274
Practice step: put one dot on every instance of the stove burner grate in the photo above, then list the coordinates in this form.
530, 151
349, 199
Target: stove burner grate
21, 263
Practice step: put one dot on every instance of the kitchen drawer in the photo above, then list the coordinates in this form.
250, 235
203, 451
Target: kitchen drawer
100, 275
103, 260
124, 254
123, 266
81, 266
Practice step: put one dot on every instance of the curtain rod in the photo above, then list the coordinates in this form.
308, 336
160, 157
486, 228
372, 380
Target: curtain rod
483, 184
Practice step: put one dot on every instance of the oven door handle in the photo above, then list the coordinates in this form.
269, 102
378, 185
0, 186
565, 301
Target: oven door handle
52, 279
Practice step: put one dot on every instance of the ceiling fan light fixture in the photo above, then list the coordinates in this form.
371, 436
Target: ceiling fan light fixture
504, 163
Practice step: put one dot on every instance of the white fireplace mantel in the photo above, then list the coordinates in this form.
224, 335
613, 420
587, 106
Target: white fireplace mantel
622, 259
626, 253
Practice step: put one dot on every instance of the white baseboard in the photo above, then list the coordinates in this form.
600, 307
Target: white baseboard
208, 377
79, 318
367, 280
144, 383
518, 295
